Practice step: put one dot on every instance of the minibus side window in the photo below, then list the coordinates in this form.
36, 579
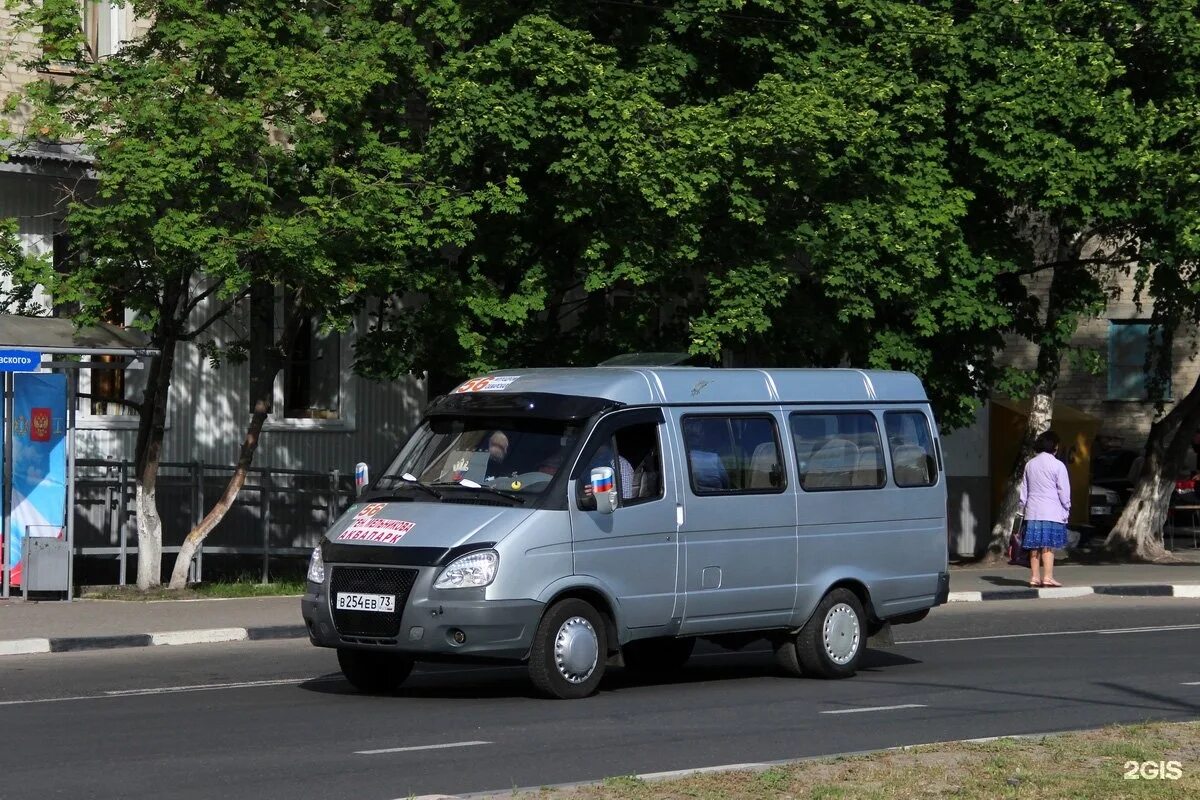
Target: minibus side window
733, 454
914, 463
838, 450
636, 466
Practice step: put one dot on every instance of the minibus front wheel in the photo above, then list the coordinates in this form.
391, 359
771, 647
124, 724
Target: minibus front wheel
568, 656
372, 671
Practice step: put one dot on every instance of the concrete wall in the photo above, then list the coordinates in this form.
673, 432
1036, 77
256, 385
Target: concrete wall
969, 486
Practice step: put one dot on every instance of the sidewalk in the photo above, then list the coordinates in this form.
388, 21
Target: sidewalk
1002, 582
43, 627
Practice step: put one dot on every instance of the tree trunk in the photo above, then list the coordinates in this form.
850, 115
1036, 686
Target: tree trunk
191, 542
1055, 335
1136, 534
1041, 415
147, 452
262, 387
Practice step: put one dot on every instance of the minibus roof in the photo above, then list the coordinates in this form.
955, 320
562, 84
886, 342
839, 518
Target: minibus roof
700, 385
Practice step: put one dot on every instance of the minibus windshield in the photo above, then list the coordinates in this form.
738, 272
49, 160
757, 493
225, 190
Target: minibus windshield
514, 456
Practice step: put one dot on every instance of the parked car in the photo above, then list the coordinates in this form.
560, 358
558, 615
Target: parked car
1104, 507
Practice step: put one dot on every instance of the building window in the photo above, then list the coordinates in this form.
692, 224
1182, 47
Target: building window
102, 389
310, 384
1129, 343
101, 27
313, 373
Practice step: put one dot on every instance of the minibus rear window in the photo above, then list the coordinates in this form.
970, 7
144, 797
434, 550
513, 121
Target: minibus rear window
838, 450
914, 463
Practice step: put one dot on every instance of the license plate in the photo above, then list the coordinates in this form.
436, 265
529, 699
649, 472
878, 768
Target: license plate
1099, 511
353, 601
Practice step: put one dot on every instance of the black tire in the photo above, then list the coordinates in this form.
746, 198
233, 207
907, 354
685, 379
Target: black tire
657, 656
567, 681
786, 658
374, 672
848, 636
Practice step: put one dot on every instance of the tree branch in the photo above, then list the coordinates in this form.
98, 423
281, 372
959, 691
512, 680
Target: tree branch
1036, 268
190, 306
216, 316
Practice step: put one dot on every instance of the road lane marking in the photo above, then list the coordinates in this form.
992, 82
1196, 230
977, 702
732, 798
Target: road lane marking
418, 747
874, 708
1149, 629
1051, 633
1191, 683
205, 687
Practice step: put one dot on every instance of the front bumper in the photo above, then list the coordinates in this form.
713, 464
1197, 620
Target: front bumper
435, 625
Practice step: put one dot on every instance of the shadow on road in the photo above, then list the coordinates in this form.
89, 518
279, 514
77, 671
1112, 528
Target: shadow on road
497, 682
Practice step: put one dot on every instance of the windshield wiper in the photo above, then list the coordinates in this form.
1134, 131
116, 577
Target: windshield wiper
483, 488
409, 480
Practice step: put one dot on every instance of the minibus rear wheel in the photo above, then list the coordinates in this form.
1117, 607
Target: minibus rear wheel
373, 671
831, 643
569, 651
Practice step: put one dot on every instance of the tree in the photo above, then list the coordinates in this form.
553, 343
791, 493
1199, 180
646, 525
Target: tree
1050, 134
704, 177
237, 144
1165, 57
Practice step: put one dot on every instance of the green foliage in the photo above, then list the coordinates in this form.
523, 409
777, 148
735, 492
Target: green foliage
20, 274
876, 183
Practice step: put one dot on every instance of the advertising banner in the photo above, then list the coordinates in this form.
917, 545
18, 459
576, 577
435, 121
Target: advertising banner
39, 468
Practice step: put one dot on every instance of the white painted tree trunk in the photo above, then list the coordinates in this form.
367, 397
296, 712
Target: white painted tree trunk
149, 531
1138, 532
1041, 416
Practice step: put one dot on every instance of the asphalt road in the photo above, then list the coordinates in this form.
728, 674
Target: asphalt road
166, 722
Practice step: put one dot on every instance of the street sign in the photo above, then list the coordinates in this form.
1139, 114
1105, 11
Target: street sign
19, 361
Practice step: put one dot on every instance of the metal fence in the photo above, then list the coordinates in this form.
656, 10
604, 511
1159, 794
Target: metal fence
278, 513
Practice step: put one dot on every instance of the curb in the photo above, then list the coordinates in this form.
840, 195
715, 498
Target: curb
67, 644
1060, 592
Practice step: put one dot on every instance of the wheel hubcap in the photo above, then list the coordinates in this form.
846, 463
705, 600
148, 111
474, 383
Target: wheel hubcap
841, 634
576, 650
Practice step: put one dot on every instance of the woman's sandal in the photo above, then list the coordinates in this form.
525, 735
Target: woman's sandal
1053, 584
1036, 584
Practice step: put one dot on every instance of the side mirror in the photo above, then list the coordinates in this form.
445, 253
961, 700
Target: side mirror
604, 489
361, 477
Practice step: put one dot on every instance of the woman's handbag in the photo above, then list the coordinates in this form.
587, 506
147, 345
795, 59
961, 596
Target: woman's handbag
1017, 555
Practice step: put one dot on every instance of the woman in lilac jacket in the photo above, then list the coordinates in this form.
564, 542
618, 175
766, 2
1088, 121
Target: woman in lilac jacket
1046, 498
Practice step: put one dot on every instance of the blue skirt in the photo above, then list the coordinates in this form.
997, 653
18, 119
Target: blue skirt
1041, 533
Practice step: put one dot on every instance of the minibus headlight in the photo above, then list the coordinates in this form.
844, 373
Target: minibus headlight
316, 566
470, 571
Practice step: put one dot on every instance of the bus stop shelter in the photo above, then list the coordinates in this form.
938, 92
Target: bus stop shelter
49, 346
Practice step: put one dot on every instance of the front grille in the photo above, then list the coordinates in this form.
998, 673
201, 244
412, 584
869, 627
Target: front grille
370, 580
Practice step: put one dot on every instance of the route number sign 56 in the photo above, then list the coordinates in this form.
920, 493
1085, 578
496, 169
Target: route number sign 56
1153, 770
